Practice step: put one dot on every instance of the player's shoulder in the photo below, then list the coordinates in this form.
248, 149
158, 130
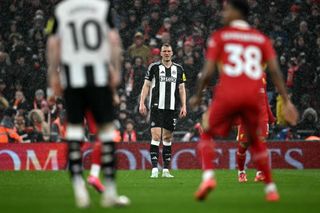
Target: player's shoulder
178, 65
154, 64
68, 4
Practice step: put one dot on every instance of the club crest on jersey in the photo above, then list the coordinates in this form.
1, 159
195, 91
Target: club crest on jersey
174, 72
167, 79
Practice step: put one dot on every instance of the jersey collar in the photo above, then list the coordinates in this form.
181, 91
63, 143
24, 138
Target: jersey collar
240, 24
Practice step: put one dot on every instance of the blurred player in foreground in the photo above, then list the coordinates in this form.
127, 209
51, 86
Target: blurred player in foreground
239, 52
88, 48
266, 118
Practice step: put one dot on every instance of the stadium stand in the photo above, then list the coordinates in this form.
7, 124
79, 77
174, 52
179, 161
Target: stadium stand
144, 25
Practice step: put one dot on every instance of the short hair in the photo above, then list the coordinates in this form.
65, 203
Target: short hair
166, 45
242, 6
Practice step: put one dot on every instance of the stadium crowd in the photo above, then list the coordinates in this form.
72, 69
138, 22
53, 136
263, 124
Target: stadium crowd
29, 114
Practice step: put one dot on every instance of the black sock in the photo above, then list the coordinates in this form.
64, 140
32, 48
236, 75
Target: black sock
166, 156
108, 160
154, 154
74, 156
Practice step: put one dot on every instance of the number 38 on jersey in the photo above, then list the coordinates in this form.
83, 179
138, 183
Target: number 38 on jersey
243, 60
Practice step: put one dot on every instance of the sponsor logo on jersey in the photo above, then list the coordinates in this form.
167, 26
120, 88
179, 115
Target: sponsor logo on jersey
168, 79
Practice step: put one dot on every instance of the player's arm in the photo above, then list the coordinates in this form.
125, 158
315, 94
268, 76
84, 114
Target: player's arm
213, 53
289, 110
205, 78
183, 100
144, 93
116, 51
271, 117
53, 58
145, 89
183, 95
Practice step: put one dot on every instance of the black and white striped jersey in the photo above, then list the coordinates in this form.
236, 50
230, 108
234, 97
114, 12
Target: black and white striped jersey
165, 85
82, 27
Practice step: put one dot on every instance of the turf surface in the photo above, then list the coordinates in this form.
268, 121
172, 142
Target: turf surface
46, 192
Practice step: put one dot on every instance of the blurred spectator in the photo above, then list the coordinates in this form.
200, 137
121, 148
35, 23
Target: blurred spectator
293, 26
4, 104
280, 118
20, 101
166, 27
155, 20
58, 127
138, 48
129, 134
7, 132
309, 120
41, 128
39, 99
155, 55
21, 129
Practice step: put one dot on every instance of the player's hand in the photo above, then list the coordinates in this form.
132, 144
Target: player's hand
143, 109
183, 112
290, 113
194, 101
114, 77
55, 85
116, 99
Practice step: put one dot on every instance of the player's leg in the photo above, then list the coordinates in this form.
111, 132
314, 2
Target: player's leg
154, 150
206, 153
241, 154
166, 152
259, 152
74, 135
103, 112
264, 132
93, 178
156, 117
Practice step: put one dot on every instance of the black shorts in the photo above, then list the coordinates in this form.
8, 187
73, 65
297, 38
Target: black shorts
99, 100
166, 119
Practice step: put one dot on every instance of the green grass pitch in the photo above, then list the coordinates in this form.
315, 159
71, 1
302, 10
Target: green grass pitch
46, 192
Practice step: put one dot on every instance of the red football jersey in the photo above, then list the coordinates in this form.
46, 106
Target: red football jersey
240, 52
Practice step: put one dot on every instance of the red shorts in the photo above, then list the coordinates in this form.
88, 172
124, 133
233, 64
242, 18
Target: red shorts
224, 111
263, 132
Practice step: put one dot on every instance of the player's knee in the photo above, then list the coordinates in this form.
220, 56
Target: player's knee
156, 137
167, 138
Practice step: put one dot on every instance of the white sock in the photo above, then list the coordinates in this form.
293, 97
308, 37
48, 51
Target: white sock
207, 174
240, 172
111, 188
258, 173
77, 180
271, 187
165, 170
95, 170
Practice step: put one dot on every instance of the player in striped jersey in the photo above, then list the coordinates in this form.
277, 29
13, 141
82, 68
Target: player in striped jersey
86, 44
166, 81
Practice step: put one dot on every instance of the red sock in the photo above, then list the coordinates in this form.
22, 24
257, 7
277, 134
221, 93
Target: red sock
261, 159
206, 151
96, 153
241, 156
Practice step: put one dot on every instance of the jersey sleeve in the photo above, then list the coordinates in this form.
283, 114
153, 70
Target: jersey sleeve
52, 26
268, 50
213, 47
109, 18
183, 78
150, 73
